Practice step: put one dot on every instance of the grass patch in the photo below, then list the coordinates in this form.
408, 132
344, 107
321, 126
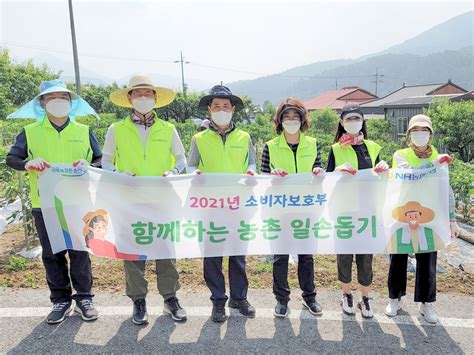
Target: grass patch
16, 263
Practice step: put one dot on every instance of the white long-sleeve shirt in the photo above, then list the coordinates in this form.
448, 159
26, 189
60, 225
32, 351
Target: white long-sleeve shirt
108, 152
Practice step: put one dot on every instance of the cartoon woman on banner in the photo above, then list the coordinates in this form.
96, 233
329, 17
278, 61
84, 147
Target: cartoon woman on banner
414, 238
94, 231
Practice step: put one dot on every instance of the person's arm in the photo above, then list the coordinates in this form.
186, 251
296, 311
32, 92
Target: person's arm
109, 150
193, 157
252, 157
265, 167
18, 155
177, 150
331, 162
317, 162
96, 151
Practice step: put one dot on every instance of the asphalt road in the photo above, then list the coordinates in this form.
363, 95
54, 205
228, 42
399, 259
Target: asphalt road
22, 327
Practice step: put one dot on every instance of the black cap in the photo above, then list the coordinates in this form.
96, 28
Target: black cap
351, 108
221, 92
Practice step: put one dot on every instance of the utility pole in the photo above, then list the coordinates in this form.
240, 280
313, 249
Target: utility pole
181, 60
74, 50
336, 83
377, 80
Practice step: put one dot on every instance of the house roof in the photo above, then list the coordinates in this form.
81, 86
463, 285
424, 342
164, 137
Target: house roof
420, 100
403, 93
336, 99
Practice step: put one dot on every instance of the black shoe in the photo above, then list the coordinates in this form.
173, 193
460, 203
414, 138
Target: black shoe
244, 307
174, 309
218, 313
59, 313
86, 309
281, 310
313, 307
140, 316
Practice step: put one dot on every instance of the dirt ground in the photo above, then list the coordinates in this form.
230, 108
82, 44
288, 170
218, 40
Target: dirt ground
17, 272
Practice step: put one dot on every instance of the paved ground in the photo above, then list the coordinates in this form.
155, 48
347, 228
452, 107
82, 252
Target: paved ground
22, 327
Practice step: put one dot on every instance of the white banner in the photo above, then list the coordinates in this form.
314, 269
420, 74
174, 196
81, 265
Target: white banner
186, 216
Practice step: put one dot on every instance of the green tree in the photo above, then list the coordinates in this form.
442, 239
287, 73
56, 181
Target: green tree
184, 107
453, 123
19, 82
324, 121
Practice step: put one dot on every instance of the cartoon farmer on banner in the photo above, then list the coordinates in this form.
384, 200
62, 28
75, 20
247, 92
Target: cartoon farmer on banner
57, 138
414, 238
95, 230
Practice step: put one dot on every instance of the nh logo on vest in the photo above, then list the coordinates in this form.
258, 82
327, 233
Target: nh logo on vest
75, 141
237, 147
159, 140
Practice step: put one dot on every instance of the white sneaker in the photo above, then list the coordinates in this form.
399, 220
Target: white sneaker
426, 309
365, 309
393, 307
347, 304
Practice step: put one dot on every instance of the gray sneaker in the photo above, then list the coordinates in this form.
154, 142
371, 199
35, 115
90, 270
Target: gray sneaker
174, 309
86, 309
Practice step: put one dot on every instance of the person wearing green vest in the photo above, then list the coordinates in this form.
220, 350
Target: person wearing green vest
142, 144
57, 138
292, 152
223, 148
420, 154
352, 151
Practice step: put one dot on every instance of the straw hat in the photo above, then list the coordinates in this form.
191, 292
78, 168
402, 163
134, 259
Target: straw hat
163, 96
399, 213
90, 215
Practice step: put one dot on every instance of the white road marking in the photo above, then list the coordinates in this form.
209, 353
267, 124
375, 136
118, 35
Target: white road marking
262, 313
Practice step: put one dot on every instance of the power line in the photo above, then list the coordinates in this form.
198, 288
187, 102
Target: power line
51, 50
232, 70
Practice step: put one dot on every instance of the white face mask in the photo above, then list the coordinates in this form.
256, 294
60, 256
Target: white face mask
291, 127
58, 107
143, 104
420, 138
353, 127
221, 118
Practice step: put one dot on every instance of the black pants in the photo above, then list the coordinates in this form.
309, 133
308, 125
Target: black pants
58, 276
281, 289
215, 278
425, 283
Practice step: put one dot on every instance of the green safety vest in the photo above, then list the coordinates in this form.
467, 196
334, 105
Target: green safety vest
67, 146
130, 154
348, 154
282, 157
403, 248
218, 157
412, 159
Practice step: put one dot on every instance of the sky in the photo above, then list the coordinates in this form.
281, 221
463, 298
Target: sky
222, 40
